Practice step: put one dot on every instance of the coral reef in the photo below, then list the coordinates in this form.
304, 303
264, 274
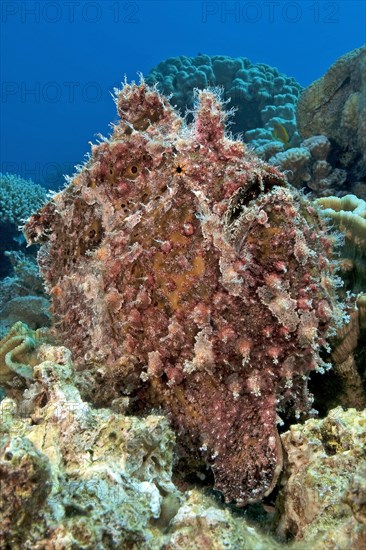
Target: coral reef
32, 310
335, 105
323, 499
344, 353
263, 98
73, 476
331, 160
22, 296
347, 380
17, 355
18, 199
307, 166
77, 477
185, 274
348, 214
80, 476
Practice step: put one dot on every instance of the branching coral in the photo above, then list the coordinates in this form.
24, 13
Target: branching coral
18, 198
185, 273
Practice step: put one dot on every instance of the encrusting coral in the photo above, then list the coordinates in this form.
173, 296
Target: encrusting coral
335, 106
186, 274
73, 476
323, 499
77, 477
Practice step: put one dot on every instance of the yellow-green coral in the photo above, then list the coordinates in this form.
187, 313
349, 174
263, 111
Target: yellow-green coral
17, 352
79, 477
349, 215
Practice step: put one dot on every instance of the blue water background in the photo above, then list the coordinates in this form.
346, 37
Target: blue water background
61, 60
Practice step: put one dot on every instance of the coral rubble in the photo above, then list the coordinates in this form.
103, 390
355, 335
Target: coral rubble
186, 274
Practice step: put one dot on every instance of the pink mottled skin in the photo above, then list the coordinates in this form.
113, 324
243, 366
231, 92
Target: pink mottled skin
185, 273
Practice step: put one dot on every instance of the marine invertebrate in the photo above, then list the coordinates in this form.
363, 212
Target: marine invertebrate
348, 214
347, 379
18, 199
93, 478
263, 99
186, 274
75, 475
22, 296
335, 105
79, 475
307, 166
17, 353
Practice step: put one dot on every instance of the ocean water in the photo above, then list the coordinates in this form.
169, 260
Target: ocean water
61, 60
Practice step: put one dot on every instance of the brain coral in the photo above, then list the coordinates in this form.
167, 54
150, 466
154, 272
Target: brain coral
185, 273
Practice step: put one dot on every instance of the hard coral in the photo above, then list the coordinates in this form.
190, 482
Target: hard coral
18, 198
322, 502
186, 274
73, 476
335, 106
262, 97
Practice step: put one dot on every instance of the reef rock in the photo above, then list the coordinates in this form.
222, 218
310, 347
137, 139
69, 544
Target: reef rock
335, 105
187, 275
77, 477
323, 500
72, 476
